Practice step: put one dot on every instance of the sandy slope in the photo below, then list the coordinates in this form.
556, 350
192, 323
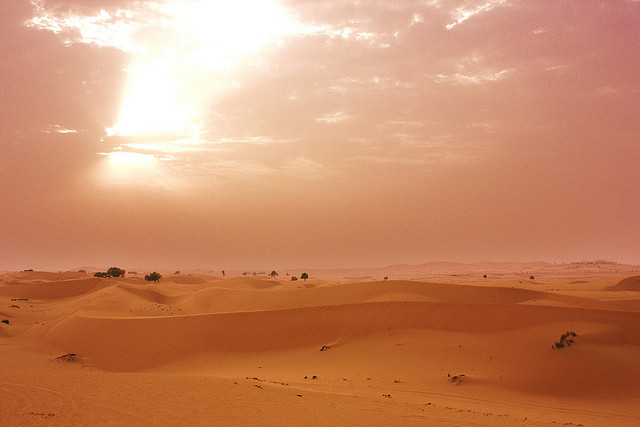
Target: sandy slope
247, 350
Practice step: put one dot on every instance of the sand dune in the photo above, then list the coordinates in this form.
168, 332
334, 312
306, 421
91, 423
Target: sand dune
52, 290
628, 284
115, 343
426, 353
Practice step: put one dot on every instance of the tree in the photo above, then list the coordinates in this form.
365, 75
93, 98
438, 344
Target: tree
531, 278
273, 274
153, 277
304, 276
115, 272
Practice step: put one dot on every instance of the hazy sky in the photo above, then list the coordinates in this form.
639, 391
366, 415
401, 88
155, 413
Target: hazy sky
319, 133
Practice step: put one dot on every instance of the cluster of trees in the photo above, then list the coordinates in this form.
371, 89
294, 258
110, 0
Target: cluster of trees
112, 272
303, 276
118, 272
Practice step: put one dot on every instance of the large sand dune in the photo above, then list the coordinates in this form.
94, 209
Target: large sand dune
251, 350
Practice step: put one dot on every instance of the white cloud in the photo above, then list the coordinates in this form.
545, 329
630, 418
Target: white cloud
465, 12
59, 129
332, 118
466, 79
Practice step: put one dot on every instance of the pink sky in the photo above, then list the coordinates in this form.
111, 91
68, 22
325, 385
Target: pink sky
275, 134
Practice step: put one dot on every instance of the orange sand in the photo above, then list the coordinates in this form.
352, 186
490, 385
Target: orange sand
200, 350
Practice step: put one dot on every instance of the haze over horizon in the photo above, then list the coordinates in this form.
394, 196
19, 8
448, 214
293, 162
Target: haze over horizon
271, 134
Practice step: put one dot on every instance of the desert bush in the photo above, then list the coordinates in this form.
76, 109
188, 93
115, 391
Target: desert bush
294, 278
566, 339
115, 272
101, 274
153, 277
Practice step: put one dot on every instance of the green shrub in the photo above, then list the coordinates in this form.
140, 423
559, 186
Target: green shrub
153, 277
565, 340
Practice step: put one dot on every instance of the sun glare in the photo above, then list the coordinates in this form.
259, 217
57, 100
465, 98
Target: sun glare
123, 167
182, 54
154, 102
170, 83
216, 34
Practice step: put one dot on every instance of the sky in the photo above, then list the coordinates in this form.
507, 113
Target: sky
317, 133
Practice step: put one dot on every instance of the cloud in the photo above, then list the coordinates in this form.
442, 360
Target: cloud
332, 118
464, 79
462, 13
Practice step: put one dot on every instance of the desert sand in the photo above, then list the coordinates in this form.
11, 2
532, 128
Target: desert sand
426, 347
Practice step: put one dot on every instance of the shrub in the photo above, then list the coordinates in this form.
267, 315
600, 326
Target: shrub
153, 277
294, 278
304, 276
115, 272
566, 339
101, 274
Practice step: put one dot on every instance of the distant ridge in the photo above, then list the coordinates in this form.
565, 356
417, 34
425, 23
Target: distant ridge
447, 268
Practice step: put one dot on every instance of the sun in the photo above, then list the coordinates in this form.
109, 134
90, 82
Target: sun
154, 101
170, 81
